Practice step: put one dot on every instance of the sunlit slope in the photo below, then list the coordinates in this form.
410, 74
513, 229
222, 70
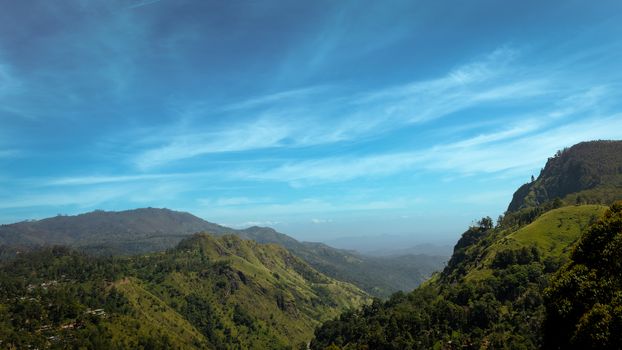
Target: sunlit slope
276, 285
553, 233
254, 288
151, 318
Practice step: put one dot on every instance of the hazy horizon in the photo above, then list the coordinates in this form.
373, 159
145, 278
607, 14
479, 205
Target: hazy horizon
323, 120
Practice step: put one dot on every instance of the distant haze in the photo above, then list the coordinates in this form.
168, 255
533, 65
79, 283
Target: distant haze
387, 245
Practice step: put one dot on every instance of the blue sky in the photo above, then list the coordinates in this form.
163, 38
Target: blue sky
322, 119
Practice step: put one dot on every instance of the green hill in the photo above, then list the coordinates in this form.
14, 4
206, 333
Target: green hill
552, 234
206, 293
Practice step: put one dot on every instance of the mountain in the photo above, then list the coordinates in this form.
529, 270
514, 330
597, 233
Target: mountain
149, 230
503, 287
588, 172
208, 292
126, 232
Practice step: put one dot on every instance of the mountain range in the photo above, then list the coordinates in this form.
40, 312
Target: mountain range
150, 229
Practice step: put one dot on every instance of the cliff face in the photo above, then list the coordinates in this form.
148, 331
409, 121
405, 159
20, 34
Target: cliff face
584, 166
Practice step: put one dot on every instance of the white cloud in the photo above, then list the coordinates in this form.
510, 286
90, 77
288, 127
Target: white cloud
325, 115
320, 221
253, 223
240, 137
231, 201
143, 3
337, 169
94, 180
518, 148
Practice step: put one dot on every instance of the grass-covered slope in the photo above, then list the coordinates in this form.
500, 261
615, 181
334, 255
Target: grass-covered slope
213, 293
151, 318
552, 234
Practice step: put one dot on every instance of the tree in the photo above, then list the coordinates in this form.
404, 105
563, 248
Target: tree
584, 302
485, 223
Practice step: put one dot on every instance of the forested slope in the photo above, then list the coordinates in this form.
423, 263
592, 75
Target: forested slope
206, 293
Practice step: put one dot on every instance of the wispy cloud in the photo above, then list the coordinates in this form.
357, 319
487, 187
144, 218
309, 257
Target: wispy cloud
320, 221
84, 199
241, 137
245, 224
321, 115
94, 180
9, 83
338, 169
232, 201
143, 3
518, 148
94, 195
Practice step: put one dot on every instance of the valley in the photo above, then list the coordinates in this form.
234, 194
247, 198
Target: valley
156, 278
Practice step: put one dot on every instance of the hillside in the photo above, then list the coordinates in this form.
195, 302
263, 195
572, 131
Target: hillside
206, 293
150, 230
583, 304
552, 235
588, 172
379, 276
492, 293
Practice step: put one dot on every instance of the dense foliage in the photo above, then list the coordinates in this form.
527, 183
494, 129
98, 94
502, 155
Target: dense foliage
584, 301
221, 293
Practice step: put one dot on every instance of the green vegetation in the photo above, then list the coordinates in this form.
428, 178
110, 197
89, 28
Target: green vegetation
150, 230
553, 234
584, 301
220, 293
